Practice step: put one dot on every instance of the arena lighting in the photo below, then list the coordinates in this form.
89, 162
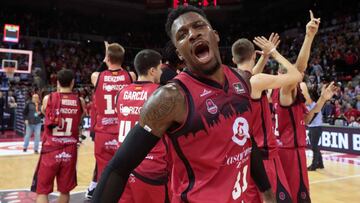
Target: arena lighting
11, 33
198, 3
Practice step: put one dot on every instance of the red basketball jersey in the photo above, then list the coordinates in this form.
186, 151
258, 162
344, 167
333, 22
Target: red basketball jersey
290, 121
210, 152
129, 103
263, 126
70, 113
109, 83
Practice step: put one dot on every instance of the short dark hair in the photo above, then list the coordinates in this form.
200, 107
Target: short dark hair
170, 55
115, 53
242, 50
65, 77
146, 59
175, 13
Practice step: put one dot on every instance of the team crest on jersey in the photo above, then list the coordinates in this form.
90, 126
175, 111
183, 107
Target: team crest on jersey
239, 89
211, 106
241, 131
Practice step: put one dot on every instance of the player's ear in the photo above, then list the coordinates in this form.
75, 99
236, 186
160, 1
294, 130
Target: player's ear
216, 35
233, 60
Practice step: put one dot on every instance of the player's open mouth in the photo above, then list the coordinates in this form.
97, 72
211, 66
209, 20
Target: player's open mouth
202, 52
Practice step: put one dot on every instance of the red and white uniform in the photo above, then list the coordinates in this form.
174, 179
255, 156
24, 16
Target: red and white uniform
148, 181
106, 127
59, 148
266, 141
210, 152
291, 133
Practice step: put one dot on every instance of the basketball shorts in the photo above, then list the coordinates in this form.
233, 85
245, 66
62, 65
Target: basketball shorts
279, 185
294, 163
105, 147
59, 164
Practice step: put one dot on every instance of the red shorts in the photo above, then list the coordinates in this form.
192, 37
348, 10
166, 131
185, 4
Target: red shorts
60, 164
105, 147
294, 164
279, 185
137, 191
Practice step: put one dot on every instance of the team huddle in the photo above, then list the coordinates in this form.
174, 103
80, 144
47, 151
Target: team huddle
212, 133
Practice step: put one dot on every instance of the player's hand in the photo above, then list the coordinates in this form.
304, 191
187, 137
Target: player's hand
265, 45
274, 39
106, 43
268, 196
313, 25
328, 92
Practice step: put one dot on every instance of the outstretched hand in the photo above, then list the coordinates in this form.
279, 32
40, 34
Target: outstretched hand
267, 45
329, 91
313, 25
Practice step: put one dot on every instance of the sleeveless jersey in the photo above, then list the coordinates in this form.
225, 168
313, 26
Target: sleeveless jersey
211, 151
263, 127
109, 83
290, 121
69, 112
130, 100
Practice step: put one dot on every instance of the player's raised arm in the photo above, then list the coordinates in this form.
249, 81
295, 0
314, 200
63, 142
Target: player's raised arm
44, 104
311, 29
262, 81
165, 107
265, 53
326, 94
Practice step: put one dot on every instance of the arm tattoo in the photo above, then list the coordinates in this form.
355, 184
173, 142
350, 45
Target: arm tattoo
160, 105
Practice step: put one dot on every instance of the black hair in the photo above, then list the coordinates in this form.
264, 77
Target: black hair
65, 77
175, 13
145, 60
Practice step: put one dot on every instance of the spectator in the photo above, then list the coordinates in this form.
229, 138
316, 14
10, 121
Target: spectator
352, 116
32, 115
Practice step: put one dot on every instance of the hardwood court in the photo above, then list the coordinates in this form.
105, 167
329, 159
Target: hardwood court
338, 182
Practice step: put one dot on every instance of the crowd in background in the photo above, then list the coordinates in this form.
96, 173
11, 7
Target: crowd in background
334, 57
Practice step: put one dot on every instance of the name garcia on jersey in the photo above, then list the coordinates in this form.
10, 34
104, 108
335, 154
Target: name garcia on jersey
137, 96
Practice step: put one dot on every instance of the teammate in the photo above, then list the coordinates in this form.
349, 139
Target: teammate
206, 112
63, 111
107, 84
291, 116
244, 55
147, 183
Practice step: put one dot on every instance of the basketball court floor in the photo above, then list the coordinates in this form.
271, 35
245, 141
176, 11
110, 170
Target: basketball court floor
339, 182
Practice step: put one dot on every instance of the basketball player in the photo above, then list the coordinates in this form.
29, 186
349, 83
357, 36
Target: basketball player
147, 183
206, 113
107, 84
63, 111
291, 116
244, 55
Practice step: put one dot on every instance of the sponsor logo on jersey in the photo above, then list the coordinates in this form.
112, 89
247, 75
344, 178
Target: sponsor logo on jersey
110, 88
112, 144
63, 157
68, 102
241, 131
211, 106
109, 121
239, 89
137, 96
130, 110
138, 88
238, 158
108, 78
205, 92
62, 140
68, 111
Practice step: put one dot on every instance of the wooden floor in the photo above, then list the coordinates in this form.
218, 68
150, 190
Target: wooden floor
338, 182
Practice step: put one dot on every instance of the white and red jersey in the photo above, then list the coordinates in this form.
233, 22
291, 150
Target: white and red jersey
210, 152
289, 126
263, 126
129, 103
109, 83
68, 110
